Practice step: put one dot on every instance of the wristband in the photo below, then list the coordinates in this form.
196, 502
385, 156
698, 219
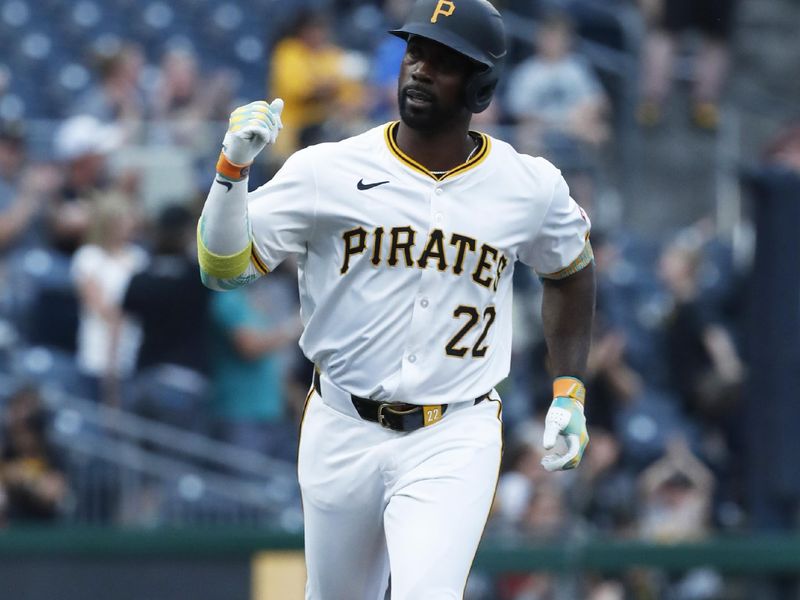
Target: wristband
231, 170
569, 387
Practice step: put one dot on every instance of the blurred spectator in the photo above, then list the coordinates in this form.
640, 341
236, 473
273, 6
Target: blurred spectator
108, 341
118, 96
521, 475
171, 305
703, 360
319, 83
82, 143
24, 191
612, 380
386, 63
676, 493
556, 98
606, 589
713, 19
783, 152
675, 506
626, 286
603, 492
547, 516
184, 101
248, 398
30, 470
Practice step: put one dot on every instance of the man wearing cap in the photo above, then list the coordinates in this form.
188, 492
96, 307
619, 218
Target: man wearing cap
82, 145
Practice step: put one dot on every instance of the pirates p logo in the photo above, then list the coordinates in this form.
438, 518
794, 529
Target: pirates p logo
444, 8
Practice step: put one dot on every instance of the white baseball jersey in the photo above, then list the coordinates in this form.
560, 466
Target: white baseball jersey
405, 277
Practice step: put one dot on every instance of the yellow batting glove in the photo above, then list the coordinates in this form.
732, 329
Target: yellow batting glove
565, 419
251, 127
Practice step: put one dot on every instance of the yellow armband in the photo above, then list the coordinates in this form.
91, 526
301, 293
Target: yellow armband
222, 267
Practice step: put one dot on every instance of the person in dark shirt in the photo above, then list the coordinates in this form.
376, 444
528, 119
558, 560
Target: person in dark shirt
703, 360
30, 470
172, 307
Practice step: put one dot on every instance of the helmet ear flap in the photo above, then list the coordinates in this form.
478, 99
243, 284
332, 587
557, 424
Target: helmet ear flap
479, 90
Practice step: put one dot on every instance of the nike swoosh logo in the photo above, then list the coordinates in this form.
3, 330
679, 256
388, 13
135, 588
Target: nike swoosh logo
367, 186
227, 184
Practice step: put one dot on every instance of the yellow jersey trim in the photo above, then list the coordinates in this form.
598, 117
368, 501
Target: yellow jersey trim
257, 261
222, 267
476, 159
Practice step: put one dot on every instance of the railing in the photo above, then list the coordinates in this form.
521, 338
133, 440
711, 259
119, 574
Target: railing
115, 458
192, 445
727, 163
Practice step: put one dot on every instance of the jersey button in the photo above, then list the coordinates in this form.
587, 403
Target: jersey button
412, 358
424, 303
438, 218
439, 190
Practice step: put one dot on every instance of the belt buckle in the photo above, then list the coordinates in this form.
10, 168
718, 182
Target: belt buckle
395, 411
381, 419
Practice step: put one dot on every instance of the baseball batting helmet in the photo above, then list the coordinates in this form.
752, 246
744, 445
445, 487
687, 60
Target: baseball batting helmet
473, 28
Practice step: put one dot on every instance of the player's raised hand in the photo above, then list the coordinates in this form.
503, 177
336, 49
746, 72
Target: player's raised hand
251, 127
565, 419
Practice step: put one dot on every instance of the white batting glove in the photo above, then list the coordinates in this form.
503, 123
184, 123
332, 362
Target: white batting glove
565, 419
251, 127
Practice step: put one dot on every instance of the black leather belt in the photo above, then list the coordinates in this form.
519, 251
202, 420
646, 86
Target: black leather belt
396, 416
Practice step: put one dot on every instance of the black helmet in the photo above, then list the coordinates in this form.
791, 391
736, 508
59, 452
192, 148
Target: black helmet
473, 28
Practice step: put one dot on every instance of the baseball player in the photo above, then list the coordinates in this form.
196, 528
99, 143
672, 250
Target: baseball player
406, 239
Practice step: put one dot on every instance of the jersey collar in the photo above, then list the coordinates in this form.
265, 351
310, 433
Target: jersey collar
477, 158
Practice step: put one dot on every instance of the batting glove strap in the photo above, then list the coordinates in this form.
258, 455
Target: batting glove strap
569, 387
230, 170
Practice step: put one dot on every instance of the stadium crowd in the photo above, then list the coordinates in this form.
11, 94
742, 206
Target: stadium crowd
100, 293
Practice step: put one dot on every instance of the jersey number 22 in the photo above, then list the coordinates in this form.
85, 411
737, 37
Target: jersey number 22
473, 316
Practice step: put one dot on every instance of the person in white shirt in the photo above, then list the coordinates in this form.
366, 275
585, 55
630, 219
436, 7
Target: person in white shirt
555, 94
108, 341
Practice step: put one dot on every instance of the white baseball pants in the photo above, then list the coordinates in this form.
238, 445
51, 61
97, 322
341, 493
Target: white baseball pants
377, 501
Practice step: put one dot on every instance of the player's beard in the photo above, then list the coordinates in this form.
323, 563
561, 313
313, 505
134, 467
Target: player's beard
429, 119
